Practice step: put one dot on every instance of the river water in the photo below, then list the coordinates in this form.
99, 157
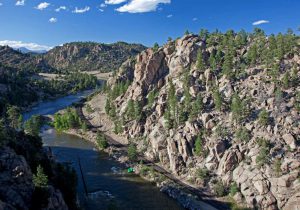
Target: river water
108, 184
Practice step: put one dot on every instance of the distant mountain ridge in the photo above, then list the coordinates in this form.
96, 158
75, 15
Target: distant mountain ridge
75, 56
90, 56
26, 50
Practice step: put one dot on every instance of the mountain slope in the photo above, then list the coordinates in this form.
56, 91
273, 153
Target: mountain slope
16, 59
90, 56
221, 111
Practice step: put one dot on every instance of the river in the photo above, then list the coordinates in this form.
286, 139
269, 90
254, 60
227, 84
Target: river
108, 184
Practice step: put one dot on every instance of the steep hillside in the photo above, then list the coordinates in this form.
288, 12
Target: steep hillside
21, 186
16, 59
90, 56
221, 111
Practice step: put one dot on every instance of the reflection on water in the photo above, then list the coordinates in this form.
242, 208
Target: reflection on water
106, 180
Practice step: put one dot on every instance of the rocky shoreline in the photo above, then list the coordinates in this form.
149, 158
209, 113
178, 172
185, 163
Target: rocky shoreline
167, 186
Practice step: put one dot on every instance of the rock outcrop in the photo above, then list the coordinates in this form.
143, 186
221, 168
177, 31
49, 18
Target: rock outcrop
17, 188
261, 158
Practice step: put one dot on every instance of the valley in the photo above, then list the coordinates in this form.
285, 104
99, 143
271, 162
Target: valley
211, 119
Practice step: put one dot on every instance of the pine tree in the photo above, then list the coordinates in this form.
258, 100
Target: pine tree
252, 55
13, 115
155, 47
237, 108
200, 61
198, 146
218, 101
137, 110
130, 110
197, 107
112, 111
40, 179
228, 64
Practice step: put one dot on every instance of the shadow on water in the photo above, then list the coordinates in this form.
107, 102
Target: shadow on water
107, 181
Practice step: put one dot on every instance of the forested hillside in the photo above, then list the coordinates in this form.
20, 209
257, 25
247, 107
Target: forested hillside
91, 56
220, 110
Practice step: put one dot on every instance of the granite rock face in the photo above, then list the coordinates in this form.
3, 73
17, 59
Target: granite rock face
267, 175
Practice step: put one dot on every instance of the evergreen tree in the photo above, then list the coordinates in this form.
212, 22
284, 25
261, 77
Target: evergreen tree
132, 152
101, 141
33, 125
198, 146
137, 110
112, 111
182, 115
197, 107
40, 179
130, 110
84, 127
218, 101
13, 115
200, 61
228, 64
237, 108
155, 47
203, 34
252, 55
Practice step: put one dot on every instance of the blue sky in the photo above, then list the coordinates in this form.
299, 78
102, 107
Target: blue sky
36, 23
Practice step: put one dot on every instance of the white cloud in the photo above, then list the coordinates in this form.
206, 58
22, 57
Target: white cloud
101, 10
259, 22
81, 10
169, 16
53, 20
20, 3
114, 1
140, 6
195, 19
103, 5
29, 46
43, 5
60, 8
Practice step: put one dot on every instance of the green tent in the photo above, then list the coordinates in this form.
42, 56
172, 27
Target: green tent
130, 170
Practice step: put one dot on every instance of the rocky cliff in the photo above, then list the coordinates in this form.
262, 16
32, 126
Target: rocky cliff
19, 156
220, 111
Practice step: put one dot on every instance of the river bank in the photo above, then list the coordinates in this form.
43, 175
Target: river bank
108, 185
155, 173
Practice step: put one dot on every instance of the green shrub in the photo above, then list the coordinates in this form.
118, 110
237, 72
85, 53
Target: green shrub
89, 108
198, 146
263, 117
202, 173
84, 126
263, 155
242, 134
151, 97
101, 141
132, 152
33, 125
219, 189
233, 189
69, 119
